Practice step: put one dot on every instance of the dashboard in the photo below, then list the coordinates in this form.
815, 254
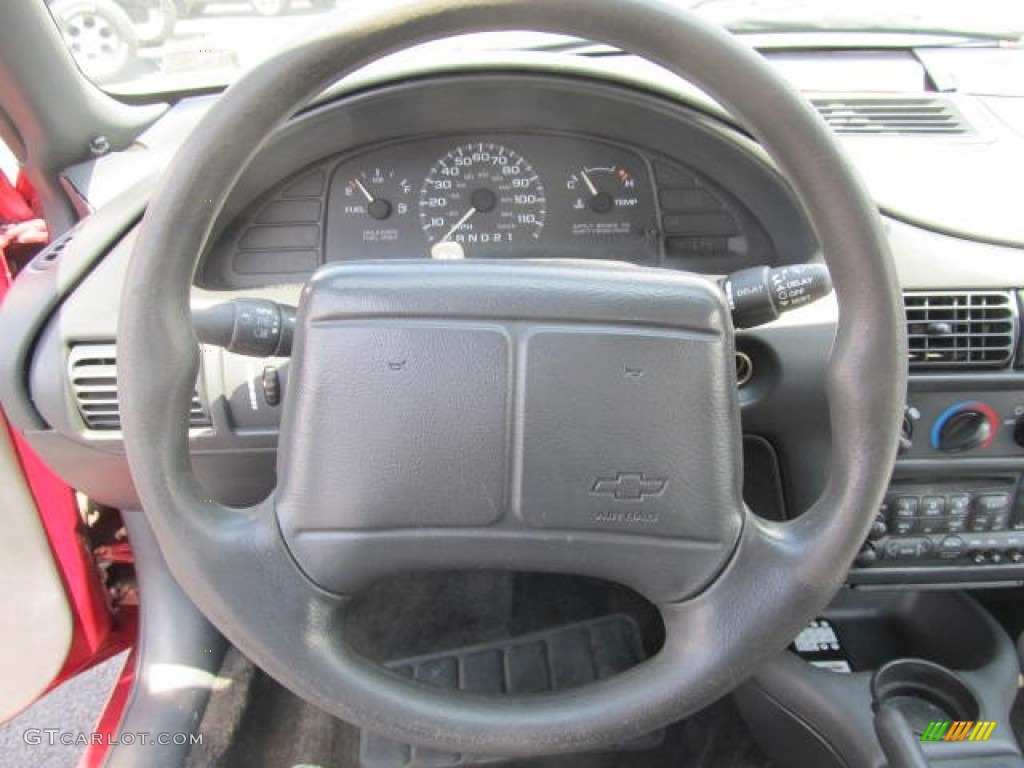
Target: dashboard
565, 160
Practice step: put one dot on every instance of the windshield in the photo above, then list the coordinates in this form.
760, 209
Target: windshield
154, 46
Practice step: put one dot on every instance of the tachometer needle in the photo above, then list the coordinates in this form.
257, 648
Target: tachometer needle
589, 183
459, 223
364, 190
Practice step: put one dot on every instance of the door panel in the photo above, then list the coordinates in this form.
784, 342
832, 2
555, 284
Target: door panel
35, 618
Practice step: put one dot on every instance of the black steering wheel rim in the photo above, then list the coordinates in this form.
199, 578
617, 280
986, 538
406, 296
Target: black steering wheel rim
234, 564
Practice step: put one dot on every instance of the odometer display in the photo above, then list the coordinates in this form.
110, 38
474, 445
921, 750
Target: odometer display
482, 195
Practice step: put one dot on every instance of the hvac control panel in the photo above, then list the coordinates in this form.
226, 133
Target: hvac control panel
960, 516
938, 425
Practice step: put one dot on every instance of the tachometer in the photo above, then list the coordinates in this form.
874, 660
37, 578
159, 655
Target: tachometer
480, 195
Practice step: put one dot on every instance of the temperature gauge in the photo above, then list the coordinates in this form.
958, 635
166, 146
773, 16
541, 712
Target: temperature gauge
604, 199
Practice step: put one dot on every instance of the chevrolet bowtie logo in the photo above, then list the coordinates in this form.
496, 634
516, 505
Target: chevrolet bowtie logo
629, 486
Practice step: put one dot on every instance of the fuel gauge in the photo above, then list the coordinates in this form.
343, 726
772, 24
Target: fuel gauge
373, 207
604, 199
378, 193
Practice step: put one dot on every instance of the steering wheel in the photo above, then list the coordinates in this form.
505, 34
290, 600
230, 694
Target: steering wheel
535, 415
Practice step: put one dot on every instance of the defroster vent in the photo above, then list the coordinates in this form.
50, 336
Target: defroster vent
960, 330
873, 116
93, 372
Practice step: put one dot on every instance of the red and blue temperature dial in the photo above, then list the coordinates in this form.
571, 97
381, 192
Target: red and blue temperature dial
964, 427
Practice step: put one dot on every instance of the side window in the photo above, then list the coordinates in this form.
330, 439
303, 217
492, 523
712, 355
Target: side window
8, 163
147, 46
22, 229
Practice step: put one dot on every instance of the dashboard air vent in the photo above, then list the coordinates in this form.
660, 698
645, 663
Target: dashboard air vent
923, 116
93, 372
960, 330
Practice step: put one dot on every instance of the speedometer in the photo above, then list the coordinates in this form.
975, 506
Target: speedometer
480, 195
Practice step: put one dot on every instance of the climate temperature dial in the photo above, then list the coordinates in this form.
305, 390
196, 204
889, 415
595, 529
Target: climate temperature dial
965, 427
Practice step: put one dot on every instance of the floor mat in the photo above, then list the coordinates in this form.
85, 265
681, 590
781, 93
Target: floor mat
557, 659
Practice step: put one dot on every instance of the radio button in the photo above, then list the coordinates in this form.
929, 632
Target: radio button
933, 506
956, 524
906, 506
907, 549
932, 525
901, 550
958, 503
903, 526
951, 547
992, 502
867, 556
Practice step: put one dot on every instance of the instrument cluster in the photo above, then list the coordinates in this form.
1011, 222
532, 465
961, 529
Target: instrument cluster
517, 195
493, 198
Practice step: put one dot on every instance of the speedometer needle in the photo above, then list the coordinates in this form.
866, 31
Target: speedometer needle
459, 223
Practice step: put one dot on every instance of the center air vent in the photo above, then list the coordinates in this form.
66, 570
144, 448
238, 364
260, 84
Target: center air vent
960, 330
93, 371
893, 117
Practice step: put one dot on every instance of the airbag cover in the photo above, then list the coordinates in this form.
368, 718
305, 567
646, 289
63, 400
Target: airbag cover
482, 414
